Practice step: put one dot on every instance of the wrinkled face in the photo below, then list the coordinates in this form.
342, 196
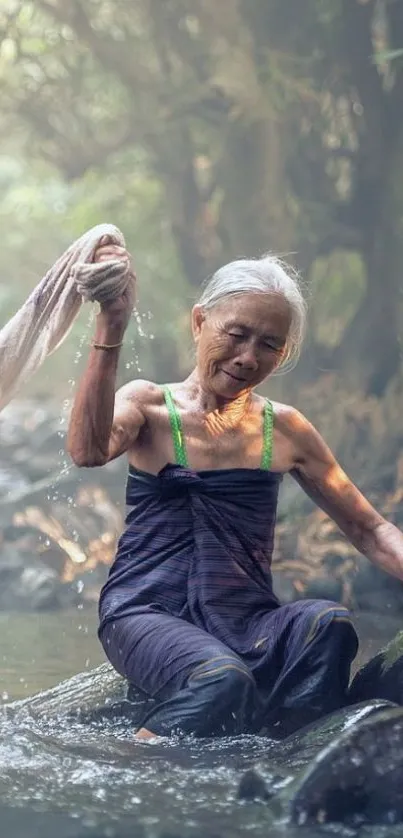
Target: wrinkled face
240, 341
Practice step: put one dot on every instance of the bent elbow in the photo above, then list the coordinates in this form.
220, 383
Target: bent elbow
83, 459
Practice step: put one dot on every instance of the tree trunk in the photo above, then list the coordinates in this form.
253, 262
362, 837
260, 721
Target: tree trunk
370, 352
254, 211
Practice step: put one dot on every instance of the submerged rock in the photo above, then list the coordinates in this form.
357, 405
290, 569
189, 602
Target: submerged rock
253, 787
345, 768
87, 693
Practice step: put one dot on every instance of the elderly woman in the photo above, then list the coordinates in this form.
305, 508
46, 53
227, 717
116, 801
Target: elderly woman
188, 614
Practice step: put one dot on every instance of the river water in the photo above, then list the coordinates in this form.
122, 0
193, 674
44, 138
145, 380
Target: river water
63, 779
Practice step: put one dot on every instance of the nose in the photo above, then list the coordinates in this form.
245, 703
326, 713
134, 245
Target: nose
248, 359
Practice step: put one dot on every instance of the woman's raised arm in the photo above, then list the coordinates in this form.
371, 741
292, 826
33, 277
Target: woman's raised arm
101, 427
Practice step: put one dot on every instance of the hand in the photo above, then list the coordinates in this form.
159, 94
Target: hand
121, 307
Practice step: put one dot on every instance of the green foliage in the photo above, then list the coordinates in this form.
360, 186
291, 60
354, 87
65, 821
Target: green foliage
393, 651
209, 131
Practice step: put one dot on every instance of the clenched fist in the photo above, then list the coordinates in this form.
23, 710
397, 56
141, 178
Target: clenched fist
120, 308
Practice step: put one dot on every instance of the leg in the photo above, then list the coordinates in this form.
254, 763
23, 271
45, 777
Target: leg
315, 643
200, 686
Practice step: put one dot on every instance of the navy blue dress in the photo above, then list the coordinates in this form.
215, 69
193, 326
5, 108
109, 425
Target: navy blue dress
188, 612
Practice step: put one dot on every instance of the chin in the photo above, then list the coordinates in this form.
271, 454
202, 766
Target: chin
229, 390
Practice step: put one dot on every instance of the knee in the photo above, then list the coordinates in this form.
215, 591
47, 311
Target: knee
226, 679
333, 617
226, 694
327, 611
335, 613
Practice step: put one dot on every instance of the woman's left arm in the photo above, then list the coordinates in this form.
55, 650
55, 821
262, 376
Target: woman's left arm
322, 478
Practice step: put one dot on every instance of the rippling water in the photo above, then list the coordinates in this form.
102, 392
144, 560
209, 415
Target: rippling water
60, 778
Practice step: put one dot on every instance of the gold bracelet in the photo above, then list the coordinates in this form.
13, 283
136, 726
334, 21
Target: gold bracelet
105, 345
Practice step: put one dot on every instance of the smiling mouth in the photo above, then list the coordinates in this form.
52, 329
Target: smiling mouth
234, 377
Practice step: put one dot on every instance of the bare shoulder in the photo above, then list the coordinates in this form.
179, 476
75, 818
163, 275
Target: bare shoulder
140, 393
288, 419
133, 403
306, 440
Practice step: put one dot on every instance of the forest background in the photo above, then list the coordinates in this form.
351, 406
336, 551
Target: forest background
209, 131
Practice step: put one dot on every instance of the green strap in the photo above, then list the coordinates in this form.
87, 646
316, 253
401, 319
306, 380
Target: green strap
176, 428
178, 440
267, 452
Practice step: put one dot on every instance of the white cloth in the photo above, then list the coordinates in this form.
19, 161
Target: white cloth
45, 319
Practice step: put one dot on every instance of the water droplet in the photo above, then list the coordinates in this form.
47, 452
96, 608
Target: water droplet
5, 696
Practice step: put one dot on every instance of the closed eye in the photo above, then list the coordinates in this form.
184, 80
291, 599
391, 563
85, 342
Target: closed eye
273, 347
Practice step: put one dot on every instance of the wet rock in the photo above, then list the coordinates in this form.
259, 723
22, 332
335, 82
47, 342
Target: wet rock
85, 587
26, 584
82, 694
382, 676
58, 525
253, 787
357, 779
344, 769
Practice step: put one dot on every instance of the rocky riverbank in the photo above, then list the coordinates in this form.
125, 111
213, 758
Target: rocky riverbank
58, 524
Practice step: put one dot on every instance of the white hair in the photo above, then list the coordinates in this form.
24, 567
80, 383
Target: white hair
267, 275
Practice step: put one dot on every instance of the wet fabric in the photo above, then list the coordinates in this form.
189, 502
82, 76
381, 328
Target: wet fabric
46, 317
188, 613
200, 686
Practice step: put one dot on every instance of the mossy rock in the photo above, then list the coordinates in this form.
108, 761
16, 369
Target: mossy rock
382, 676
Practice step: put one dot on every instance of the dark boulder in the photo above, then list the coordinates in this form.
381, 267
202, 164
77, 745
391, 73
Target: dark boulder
382, 676
357, 779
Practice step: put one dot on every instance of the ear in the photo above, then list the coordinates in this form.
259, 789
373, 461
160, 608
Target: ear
198, 318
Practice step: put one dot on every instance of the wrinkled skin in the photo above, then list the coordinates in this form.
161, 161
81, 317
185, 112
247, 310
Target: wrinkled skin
234, 352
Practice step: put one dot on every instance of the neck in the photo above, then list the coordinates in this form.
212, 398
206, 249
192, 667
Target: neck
230, 411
